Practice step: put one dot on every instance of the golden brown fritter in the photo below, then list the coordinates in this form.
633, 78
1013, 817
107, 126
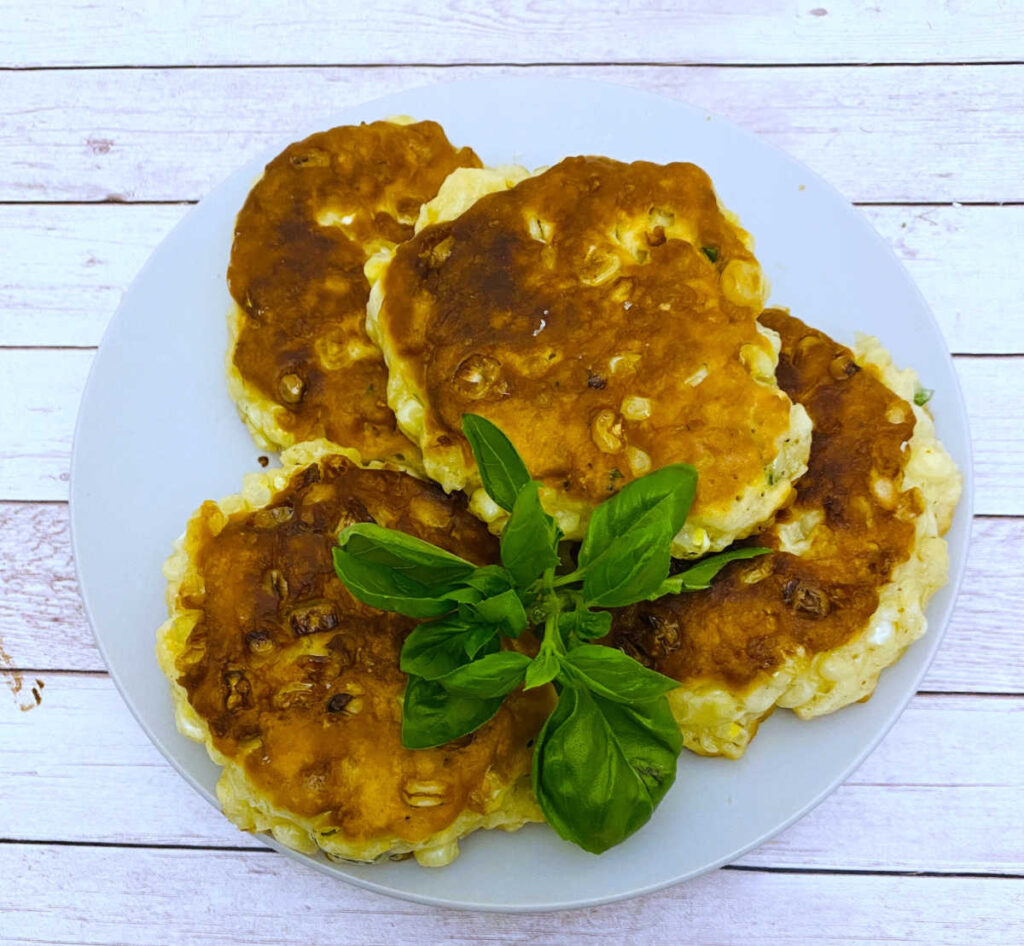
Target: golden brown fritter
604, 316
298, 683
301, 364
854, 539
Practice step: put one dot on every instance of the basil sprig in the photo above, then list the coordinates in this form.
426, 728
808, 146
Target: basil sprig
607, 754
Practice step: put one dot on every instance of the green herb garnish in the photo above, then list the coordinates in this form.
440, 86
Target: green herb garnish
711, 253
922, 396
607, 754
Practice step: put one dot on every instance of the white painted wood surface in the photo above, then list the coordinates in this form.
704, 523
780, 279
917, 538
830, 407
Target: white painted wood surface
69, 265
43, 625
185, 897
43, 386
95, 752
100, 841
879, 134
324, 32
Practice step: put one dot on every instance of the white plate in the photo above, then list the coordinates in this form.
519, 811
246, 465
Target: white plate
157, 434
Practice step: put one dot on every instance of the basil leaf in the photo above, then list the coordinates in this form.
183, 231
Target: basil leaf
505, 611
543, 669
381, 587
599, 769
585, 624
435, 648
404, 554
489, 580
664, 496
650, 739
482, 637
493, 675
632, 568
501, 468
627, 550
922, 396
700, 575
556, 753
431, 716
529, 541
611, 674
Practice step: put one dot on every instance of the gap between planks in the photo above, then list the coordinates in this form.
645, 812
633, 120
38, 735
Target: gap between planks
81, 746
138, 896
524, 64
73, 261
751, 868
402, 32
93, 348
44, 387
170, 134
191, 202
101, 673
43, 623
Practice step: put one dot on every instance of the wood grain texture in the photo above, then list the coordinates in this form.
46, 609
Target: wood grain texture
960, 259
43, 387
994, 391
41, 390
171, 134
80, 748
941, 795
984, 647
141, 896
42, 622
67, 267
43, 627
397, 31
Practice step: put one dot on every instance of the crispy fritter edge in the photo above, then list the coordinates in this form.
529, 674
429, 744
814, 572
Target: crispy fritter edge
459, 191
512, 805
825, 682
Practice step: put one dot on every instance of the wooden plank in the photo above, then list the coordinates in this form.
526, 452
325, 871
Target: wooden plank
397, 31
922, 797
960, 257
78, 750
43, 387
94, 896
68, 265
948, 755
984, 649
170, 134
994, 391
42, 622
42, 625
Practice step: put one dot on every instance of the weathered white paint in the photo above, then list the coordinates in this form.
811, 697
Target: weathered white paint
942, 792
909, 134
67, 266
80, 748
82, 895
191, 32
42, 625
42, 388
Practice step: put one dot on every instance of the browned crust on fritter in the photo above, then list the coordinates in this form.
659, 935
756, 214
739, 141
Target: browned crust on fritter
302, 342
299, 682
544, 307
762, 611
